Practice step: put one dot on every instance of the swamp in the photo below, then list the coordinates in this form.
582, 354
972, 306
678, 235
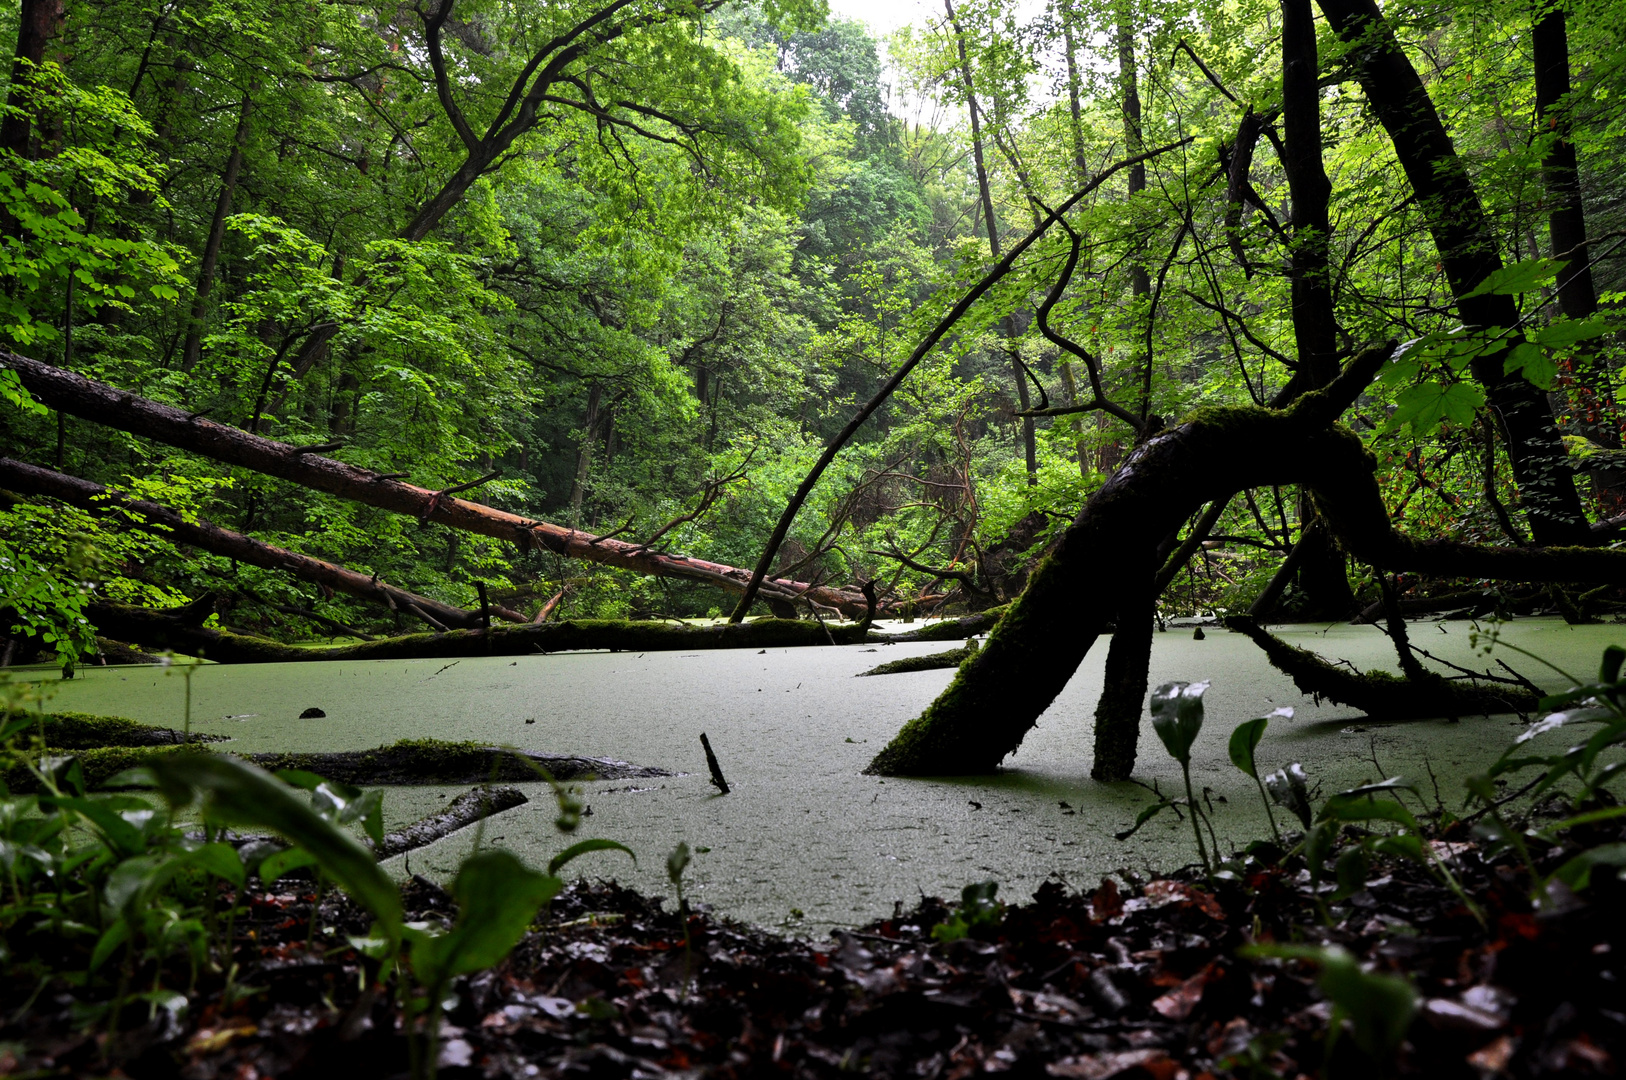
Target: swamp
689, 538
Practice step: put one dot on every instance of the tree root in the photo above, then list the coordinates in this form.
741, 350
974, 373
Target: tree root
1379, 694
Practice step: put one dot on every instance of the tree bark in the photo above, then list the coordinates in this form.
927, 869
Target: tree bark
1566, 229
1123, 691
39, 23
1468, 254
192, 349
1321, 576
162, 521
1029, 437
584, 455
181, 631
1030, 656
102, 404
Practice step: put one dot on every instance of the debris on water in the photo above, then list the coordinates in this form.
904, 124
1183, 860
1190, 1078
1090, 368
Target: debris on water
312, 713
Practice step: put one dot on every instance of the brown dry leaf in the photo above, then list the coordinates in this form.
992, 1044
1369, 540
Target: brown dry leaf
1493, 1056
1178, 1003
209, 1040
1107, 902
1107, 1065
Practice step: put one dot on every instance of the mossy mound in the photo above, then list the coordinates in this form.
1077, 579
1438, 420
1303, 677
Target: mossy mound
433, 761
951, 659
84, 731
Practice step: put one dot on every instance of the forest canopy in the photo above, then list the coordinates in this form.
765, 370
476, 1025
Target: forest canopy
548, 311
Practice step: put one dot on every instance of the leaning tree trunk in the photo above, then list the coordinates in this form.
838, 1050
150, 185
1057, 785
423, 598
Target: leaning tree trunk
998, 695
162, 521
70, 392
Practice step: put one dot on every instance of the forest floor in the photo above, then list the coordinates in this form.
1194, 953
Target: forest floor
1134, 979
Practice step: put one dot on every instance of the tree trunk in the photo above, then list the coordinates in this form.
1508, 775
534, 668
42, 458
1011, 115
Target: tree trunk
584, 455
1029, 437
1566, 228
102, 404
1322, 581
39, 23
180, 630
1123, 691
1140, 282
162, 521
1468, 254
1030, 656
192, 350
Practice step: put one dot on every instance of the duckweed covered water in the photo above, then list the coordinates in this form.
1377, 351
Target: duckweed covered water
804, 831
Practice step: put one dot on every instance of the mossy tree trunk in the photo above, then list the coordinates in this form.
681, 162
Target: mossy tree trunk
1034, 650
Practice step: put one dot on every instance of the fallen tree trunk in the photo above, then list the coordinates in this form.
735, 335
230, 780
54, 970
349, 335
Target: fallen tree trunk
181, 631
465, 810
932, 662
1030, 656
72, 393
1379, 694
162, 521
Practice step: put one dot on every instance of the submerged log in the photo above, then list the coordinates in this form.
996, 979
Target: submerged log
404, 763
465, 810
999, 694
932, 662
162, 521
72, 393
432, 761
1380, 695
172, 630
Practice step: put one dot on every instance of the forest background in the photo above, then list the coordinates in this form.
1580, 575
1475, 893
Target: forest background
628, 267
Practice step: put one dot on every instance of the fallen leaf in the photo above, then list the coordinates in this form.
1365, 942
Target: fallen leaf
1107, 1065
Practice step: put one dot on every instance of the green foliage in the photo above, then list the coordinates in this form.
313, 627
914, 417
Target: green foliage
978, 909
1378, 1007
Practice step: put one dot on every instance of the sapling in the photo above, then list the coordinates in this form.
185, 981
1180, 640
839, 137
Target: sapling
676, 863
1243, 741
1177, 717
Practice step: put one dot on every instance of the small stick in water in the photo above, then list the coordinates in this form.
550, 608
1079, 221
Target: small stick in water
711, 763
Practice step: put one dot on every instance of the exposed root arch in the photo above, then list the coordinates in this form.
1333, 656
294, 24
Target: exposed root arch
999, 694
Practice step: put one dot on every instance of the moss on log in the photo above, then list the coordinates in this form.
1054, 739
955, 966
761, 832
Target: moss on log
405, 763
1379, 694
158, 629
84, 731
949, 629
432, 761
933, 662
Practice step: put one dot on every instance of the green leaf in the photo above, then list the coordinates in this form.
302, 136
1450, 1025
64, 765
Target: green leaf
1533, 362
1290, 787
677, 862
497, 897
1380, 1008
1243, 740
1519, 277
1426, 405
1177, 716
1577, 872
1566, 332
219, 859
582, 848
273, 867
242, 794
115, 935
